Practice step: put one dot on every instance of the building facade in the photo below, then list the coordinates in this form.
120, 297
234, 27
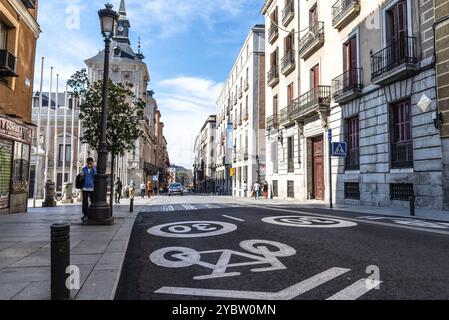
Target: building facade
441, 31
365, 71
19, 32
60, 141
126, 66
205, 151
240, 144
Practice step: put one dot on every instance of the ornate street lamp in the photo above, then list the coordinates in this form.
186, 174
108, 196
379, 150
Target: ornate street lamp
100, 212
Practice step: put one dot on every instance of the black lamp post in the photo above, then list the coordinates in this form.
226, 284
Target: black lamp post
100, 212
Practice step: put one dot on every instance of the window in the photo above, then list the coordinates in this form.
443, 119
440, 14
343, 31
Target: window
5, 172
291, 189
59, 181
68, 156
275, 106
274, 156
352, 137
290, 154
315, 77
289, 44
274, 58
275, 188
352, 191
21, 162
401, 135
3, 36
396, 20
290, 94
401, 191
313, 16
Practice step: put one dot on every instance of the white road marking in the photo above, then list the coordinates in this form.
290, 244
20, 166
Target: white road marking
356, 290
371, 218
286, 294
199, 229
308, 222
229, 217
189, 207
385, 224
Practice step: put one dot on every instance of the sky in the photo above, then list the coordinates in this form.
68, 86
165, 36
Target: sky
190, 47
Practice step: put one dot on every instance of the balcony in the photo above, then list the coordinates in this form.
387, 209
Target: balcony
343, 11
273, 122
288, 62
273, 76
316, 101
246, 85
273, 33
288, 13
7, 64
347, 86
285, 115
395, 62
312, 40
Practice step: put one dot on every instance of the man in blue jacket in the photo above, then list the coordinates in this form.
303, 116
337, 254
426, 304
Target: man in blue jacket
88, 174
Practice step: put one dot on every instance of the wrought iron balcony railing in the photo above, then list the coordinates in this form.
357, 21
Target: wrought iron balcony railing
273, 33
273, 122
349, 82
343, 11
312, 40
288, 12
401, 52
316, 99
273, 75
288, 62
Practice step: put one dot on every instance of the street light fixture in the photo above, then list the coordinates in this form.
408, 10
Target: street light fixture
100, 212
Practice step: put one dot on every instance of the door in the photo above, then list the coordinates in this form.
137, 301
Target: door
397, 32
315, 76
318, 168
350, 63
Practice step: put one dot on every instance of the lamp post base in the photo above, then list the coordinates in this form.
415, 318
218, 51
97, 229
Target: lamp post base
99, 215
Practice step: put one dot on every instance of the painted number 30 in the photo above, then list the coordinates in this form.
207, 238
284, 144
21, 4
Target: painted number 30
187, 229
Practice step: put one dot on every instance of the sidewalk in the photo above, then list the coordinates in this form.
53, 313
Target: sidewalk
97, 251
428, 214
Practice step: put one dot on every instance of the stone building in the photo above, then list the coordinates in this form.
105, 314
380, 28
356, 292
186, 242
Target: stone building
66, 154
366, 71
441, 31
126, 66
205, 151
240, 144
19, 32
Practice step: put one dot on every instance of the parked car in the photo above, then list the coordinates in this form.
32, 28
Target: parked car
175, 188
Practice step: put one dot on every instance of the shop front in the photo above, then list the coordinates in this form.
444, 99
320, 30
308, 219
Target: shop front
15, 151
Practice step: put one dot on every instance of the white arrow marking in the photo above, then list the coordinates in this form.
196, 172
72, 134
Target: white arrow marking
356, 290
229, 217
286, 294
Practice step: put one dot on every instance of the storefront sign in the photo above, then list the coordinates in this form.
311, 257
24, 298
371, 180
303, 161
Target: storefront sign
14, 131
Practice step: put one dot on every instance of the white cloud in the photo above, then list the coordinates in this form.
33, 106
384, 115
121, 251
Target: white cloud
185, 104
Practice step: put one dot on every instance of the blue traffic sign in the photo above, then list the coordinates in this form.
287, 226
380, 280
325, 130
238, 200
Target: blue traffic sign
329, 135
339, 149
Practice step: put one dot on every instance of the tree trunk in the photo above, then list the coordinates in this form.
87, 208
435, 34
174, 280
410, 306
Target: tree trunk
111, 197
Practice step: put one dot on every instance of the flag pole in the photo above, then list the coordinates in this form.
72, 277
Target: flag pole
55, 143
64, 141
38, 137
47, 133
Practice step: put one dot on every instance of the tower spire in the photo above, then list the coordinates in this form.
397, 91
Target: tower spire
122, 9
123, 25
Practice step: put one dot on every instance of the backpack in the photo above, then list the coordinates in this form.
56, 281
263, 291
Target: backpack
79, 182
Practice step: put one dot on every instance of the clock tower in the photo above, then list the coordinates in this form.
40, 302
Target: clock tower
122, 26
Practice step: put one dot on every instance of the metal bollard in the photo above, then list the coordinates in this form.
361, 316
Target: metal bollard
131, 205
412, 205
60, 260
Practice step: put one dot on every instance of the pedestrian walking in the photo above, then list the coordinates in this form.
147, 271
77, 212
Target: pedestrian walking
257, 190
142, 190
150, 188
131, 189
88, 174
245, 189
118, 190
265, 190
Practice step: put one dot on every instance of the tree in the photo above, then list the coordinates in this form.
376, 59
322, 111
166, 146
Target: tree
125, 112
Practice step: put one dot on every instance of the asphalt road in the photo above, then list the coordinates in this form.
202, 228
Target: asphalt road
216, 251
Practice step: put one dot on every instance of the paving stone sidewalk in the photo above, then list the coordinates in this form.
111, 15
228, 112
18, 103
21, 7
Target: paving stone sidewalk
98, 251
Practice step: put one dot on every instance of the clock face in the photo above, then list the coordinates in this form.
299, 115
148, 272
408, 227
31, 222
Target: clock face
120, 28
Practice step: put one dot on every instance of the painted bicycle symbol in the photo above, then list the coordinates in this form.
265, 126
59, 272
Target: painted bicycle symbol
192, 229
309, 222
261, 253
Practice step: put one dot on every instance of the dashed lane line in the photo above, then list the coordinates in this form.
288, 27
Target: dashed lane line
233, 218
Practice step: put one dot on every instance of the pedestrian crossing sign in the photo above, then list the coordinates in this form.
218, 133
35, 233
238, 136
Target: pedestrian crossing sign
339, 149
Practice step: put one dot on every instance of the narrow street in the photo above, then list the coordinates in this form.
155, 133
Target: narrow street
197, 247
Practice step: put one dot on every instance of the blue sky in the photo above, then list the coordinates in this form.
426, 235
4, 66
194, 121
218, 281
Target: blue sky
189, 45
